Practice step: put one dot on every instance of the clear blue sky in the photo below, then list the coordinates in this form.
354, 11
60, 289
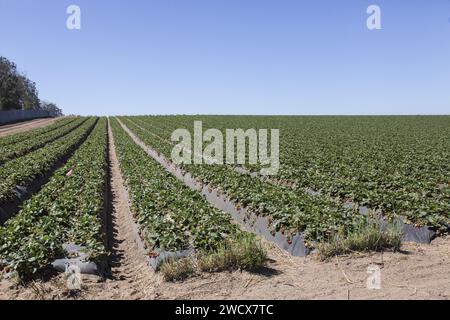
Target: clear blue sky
233, 56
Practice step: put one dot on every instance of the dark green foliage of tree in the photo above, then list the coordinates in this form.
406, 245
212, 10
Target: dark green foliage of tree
52, 108
17, 92
9, 85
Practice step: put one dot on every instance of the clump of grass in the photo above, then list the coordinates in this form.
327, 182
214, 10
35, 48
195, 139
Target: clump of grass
243, 253
178, 270
369, 237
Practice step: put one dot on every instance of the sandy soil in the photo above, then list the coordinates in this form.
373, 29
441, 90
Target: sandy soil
421, 272
418, 272
10, 129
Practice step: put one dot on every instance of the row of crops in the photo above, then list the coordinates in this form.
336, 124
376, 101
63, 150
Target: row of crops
24, 136
19, 174
398, 165
289, 210
68, 209
20, 148
172, 217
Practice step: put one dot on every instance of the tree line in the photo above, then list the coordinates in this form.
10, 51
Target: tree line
17, 92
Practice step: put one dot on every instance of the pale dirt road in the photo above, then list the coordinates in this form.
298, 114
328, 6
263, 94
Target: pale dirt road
419, 272
10, 129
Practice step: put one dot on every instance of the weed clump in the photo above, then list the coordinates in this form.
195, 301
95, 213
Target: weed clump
178, 270
368, 237
244, 252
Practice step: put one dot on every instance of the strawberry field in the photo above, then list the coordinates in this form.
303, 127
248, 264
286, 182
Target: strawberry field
397, 165
55, 184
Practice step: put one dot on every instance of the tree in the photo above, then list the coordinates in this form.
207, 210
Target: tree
9, 85
16, 90
29, 94
52, 108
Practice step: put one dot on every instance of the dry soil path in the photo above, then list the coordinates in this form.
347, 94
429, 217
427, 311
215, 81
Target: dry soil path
10, 129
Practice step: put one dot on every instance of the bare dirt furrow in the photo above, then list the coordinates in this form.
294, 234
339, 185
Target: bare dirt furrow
131, 278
